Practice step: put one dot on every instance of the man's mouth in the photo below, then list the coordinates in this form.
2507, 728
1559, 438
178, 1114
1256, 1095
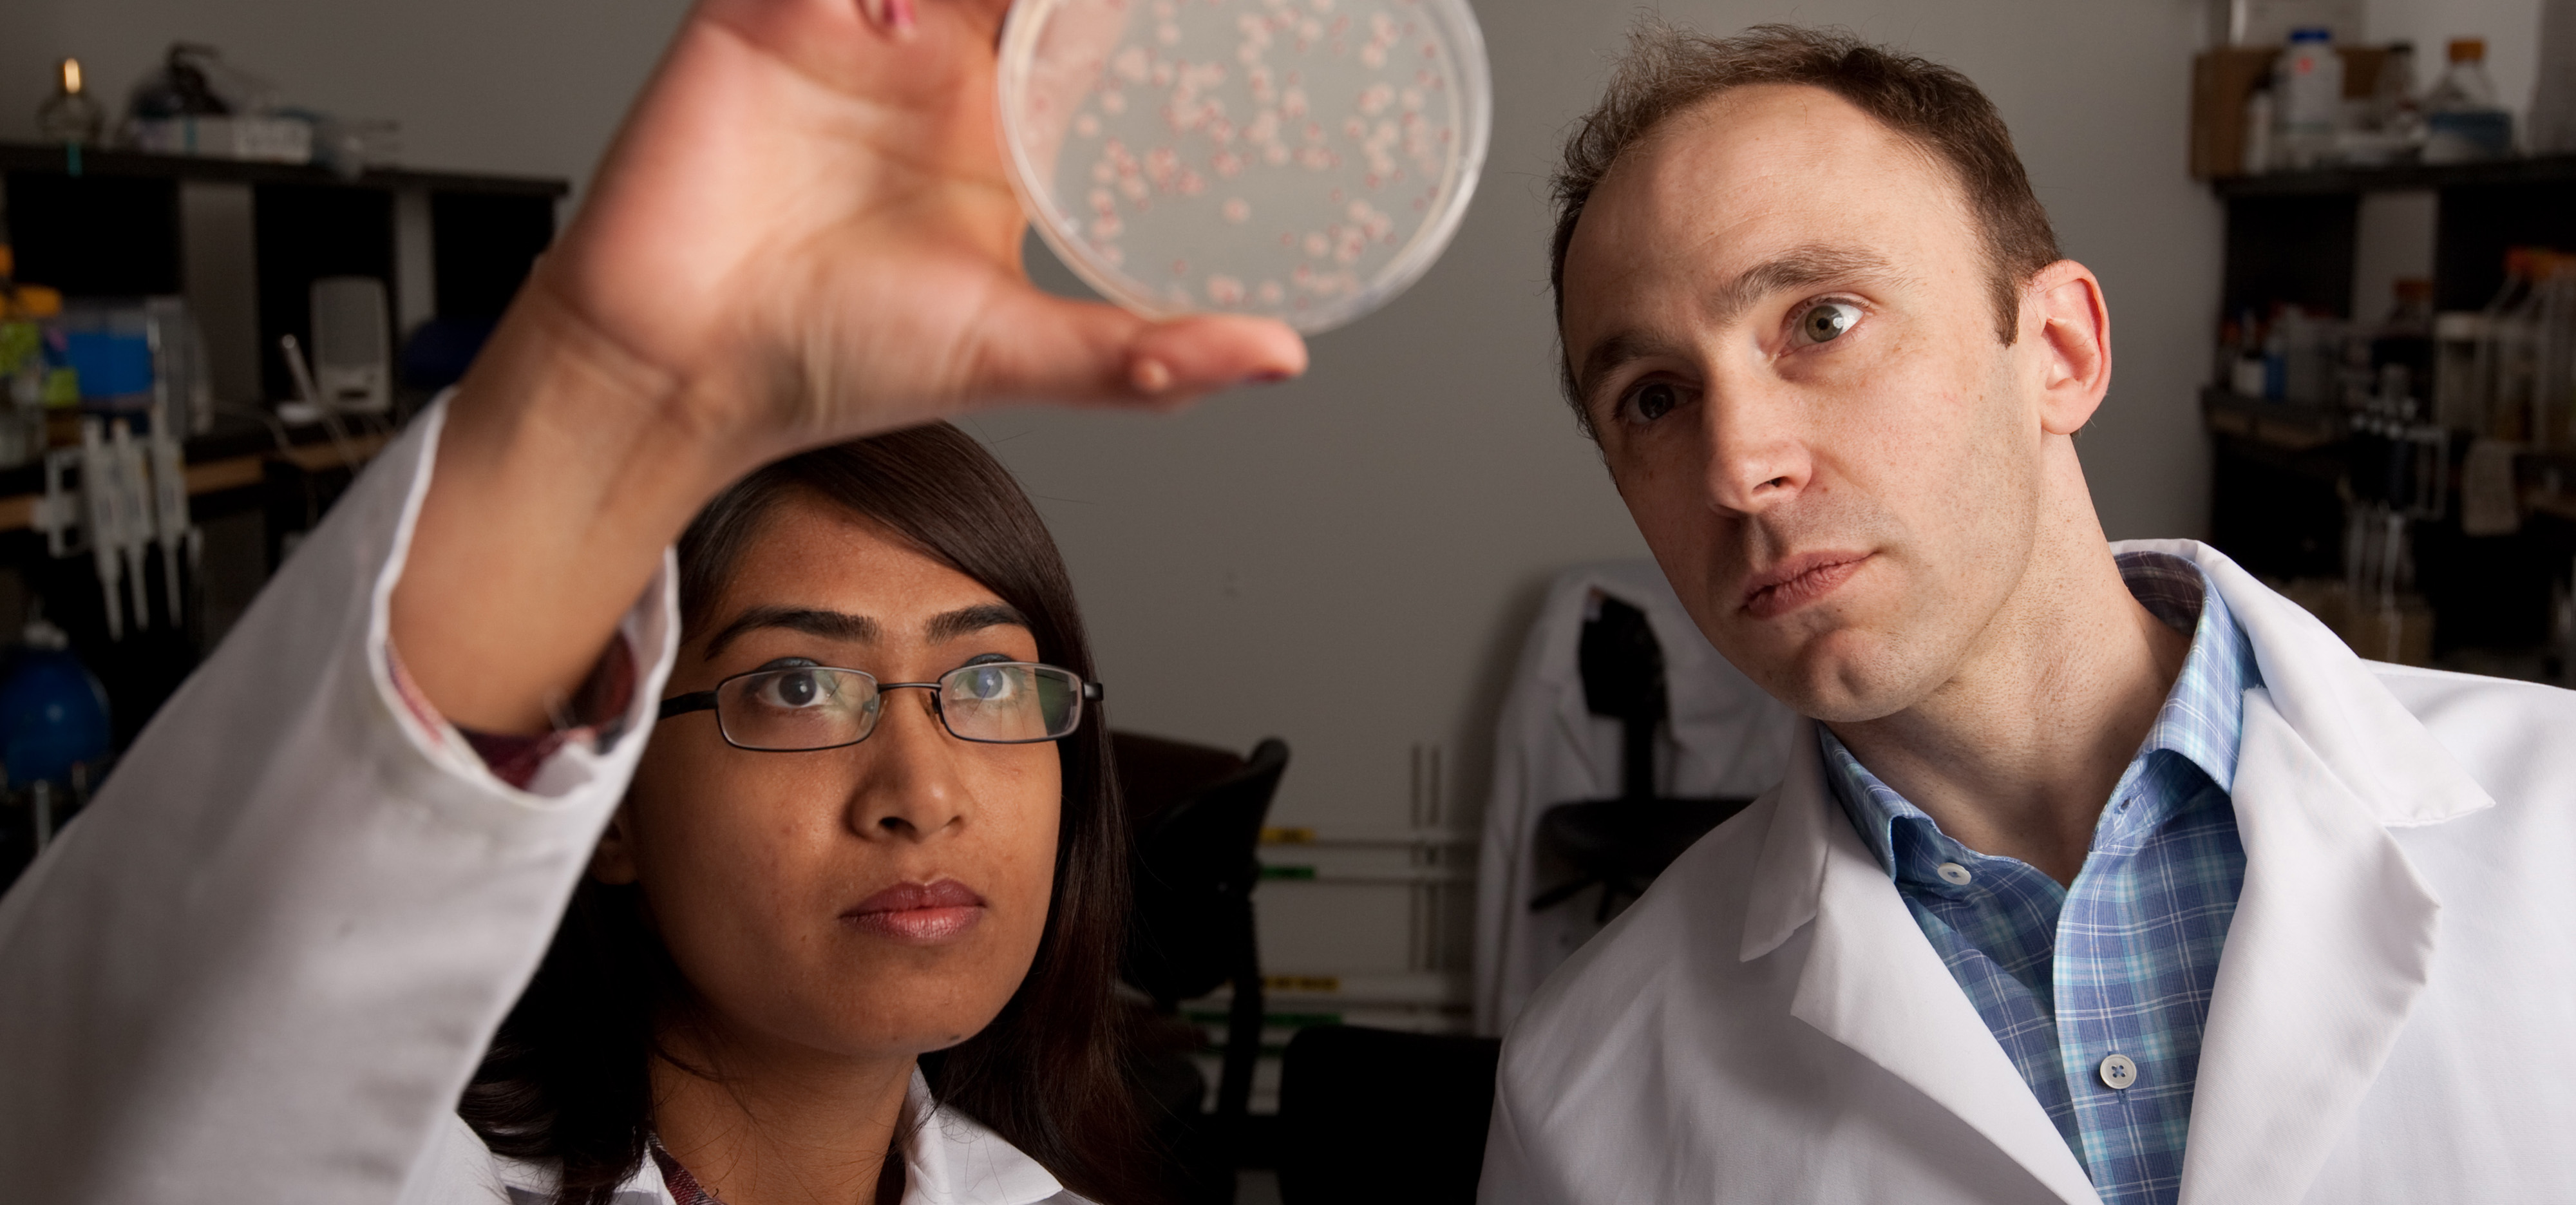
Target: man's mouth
1795, 581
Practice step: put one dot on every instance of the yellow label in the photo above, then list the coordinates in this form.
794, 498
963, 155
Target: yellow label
1287, 836
1301, 983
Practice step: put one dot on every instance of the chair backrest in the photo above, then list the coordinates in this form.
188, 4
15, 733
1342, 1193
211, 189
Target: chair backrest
1194, 875
1369, 1115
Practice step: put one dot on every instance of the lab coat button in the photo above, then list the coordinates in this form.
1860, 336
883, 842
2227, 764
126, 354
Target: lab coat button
1953, 874
2118, 1071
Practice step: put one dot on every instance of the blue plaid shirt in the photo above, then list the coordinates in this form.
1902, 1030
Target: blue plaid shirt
2121, 962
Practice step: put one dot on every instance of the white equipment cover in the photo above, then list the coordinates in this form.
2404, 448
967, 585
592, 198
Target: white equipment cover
1724, 737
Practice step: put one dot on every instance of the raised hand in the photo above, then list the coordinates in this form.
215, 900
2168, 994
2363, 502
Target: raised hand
802, 234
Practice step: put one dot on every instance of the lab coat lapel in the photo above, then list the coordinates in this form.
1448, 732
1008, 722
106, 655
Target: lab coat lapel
1873, 983
2332, 941
2335, 934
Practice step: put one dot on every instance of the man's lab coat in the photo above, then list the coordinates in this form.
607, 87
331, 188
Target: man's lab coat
2394, 1018
262, 965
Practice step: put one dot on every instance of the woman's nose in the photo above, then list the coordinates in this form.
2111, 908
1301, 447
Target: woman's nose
909, 786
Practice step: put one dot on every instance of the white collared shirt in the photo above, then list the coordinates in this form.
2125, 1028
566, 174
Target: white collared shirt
950, 1160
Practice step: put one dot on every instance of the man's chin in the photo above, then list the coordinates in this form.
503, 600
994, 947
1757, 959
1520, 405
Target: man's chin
1841, 676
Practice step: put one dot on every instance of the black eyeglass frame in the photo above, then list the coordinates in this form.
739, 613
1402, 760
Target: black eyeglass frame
705, 700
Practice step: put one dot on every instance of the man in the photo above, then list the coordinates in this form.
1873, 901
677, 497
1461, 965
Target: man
2100, 871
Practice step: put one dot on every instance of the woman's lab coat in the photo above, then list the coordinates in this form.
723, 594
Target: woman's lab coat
262, 965
2394, 1018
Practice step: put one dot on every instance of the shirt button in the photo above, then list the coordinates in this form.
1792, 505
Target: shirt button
1953, 874
2118, 1071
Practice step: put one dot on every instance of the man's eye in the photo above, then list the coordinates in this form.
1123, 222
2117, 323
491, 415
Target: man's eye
1826, 321
1653, 400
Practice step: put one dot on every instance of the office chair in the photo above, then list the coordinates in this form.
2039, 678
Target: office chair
1621, 844
1197, 814
1371, 1115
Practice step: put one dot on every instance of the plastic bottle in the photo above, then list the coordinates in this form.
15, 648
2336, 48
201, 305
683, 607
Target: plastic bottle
2553, 377
2506, 349
2307, 86
2463, 121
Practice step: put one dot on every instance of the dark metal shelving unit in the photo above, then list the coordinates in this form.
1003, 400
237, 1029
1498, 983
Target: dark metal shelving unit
2278, 469
110, 224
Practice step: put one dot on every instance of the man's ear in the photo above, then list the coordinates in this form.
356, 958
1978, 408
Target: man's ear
613, 861
2067, 327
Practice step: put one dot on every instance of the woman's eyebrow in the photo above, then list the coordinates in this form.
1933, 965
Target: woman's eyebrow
830, 625
950, 625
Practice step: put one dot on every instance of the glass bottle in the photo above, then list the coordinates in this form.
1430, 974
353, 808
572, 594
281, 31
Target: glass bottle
70, 115
2463, 121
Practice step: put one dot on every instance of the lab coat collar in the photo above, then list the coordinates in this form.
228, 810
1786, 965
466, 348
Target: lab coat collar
948, 1160
2331, 943
2332, 699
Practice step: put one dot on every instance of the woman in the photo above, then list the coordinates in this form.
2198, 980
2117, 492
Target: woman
269, 957
815, 880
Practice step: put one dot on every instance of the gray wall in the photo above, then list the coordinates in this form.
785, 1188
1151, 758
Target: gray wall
1347, 560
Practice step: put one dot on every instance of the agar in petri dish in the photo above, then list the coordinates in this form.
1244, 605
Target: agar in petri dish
1304, 160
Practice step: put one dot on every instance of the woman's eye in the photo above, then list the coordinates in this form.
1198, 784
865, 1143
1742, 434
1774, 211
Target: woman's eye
989, 683
800, 689
1653, 400
1826, 321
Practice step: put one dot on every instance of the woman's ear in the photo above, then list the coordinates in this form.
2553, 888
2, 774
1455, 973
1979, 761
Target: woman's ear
613, 862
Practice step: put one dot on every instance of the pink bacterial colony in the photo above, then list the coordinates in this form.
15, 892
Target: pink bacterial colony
1223, 124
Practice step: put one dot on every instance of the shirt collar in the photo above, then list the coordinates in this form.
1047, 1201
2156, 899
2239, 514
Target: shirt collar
2202, 721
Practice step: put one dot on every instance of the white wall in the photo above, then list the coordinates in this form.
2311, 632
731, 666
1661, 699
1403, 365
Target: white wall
1346, 560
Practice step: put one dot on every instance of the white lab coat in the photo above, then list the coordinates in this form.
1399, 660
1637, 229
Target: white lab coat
2394, 1017
1724, 737
263, 963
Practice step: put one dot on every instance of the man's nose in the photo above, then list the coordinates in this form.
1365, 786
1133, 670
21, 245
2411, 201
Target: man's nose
1755, 444
909, 785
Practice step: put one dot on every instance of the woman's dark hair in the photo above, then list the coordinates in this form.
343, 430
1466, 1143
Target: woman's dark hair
566, 1079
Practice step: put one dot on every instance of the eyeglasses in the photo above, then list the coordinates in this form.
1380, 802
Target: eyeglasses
807, 707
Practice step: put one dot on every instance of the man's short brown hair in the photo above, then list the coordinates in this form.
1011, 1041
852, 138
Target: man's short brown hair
1668, 70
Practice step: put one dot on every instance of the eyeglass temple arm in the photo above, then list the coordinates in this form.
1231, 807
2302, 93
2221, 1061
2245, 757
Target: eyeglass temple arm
704, 700
1092, 691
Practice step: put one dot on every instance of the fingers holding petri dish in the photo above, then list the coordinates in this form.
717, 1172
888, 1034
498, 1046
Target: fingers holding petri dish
1303, 160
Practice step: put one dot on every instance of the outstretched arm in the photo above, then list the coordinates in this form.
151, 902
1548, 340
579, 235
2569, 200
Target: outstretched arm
802, 235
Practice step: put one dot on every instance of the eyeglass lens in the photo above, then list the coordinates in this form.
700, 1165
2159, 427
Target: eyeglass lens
817, 707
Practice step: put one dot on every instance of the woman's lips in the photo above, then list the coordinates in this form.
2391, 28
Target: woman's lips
1799, 580
920, 913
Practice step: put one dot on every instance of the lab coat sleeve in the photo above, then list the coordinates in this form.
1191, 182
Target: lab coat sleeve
262, 965
1506, 1176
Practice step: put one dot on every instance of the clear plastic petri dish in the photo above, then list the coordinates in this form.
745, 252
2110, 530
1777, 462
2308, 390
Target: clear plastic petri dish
1304, 160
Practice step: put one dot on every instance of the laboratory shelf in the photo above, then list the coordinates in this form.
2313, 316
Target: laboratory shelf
2410, 177
91, 161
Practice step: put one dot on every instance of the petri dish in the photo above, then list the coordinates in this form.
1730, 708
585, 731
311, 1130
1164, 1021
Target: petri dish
1304, 160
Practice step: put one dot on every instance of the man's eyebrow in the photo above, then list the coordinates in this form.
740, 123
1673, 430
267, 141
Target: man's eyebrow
953, 624
1800, 268
1608, 355
830, 625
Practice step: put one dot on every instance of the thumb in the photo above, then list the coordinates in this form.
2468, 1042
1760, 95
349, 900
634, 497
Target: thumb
1033, 346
